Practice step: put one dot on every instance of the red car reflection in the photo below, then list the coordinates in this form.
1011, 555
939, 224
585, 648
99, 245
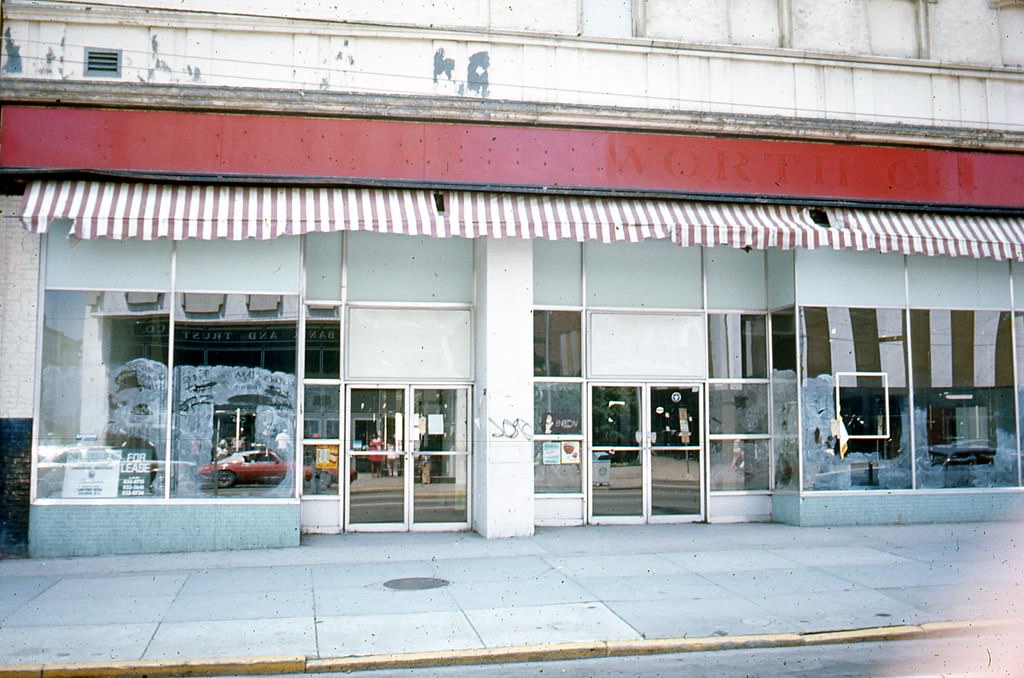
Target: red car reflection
249, 467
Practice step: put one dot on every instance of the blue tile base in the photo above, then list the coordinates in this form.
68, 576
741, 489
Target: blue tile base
84, 530
886, 508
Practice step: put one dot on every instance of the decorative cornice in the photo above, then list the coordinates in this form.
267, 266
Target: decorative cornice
140, 96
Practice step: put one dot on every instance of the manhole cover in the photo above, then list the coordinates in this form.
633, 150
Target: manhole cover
415, 583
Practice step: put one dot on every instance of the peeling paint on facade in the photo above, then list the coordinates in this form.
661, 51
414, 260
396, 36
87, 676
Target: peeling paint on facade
158, 63
51, 57
13, 53
442, 65
477, 79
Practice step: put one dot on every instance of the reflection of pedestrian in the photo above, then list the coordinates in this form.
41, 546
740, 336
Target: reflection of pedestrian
737, 455
283, 443
392, 462
425, 469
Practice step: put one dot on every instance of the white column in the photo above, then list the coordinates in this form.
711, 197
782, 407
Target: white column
503, 420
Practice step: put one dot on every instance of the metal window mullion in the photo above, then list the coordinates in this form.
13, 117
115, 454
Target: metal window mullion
908, 351
1016, 371
299, 455
797, 314
37, 389
343, 397
770, 357
169, 426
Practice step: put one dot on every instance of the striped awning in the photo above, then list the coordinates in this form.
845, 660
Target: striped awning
180, 211
934, 234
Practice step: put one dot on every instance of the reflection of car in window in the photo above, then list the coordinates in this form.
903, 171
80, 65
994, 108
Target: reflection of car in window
249, 467
962, 452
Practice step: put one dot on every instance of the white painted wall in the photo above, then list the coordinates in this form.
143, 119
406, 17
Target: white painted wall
1011, 35
893, 28
965, 31
19, 290
189, 48
830, 26
503, 452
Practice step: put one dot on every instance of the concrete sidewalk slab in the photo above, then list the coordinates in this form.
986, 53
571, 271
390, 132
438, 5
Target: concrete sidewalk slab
576, 591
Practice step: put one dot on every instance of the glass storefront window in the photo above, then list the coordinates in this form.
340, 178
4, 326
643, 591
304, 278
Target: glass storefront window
856, 450
739, 464
556, 467
321, 461
321, 421
323, 349
103, 401
965, 431
558, 417
234, 395
737, 408
557, 344
737, 346
785, 442
557, 408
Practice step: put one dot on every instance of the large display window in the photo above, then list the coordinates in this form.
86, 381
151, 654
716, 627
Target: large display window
233, 396
856, 409
963, 398
785, 401
103, 397
739, 444
558, 405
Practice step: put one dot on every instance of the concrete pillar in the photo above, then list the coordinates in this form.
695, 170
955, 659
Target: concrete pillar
503, 422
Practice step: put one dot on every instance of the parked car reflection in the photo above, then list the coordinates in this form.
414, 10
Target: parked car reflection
248, 467
962, 452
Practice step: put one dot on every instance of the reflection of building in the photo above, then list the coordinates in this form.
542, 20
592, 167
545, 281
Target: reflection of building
778, 248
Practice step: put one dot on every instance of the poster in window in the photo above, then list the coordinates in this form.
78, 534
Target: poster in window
570, 452
91, 473
327, 456
551, 452
138, 470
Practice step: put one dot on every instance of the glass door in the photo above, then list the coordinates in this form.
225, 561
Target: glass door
376, 446
440, 453
616, 454
676, 462
645, 453
408, 448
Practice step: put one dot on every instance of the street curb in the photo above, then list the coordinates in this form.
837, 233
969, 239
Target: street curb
514, 654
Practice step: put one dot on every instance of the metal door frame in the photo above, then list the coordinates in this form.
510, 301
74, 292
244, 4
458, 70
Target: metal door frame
645, 446
407, 459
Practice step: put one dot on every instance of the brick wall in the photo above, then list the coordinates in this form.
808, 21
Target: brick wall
19, 294
19, 287
15, 482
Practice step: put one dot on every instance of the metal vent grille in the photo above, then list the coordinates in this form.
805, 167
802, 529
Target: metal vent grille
103, 62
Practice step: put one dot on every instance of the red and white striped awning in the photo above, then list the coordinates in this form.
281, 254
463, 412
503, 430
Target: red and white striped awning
148, 211
180, 211
934, 234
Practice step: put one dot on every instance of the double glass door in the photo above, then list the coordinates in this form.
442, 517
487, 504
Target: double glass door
646, 461
408, 453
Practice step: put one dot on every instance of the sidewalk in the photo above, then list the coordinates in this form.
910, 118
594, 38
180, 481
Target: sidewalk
587, 591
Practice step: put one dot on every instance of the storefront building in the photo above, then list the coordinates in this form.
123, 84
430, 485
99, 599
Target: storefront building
248, 323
